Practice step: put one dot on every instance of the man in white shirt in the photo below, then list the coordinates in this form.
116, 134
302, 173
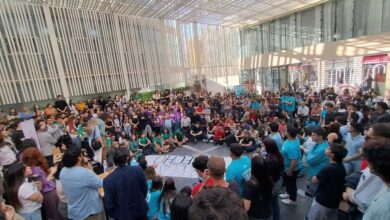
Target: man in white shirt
303, 110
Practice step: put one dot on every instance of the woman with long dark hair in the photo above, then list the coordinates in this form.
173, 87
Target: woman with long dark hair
275, 166
257, 193
168, 193
23, 195
33, 157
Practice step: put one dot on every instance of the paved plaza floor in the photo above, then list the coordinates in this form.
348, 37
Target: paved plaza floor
287, 212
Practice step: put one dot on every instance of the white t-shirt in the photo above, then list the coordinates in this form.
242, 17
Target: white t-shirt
25, 191
7, 156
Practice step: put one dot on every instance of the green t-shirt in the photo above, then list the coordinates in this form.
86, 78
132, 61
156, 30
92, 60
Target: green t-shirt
133, 146
179, 135
143, 140
165, 136
157, 140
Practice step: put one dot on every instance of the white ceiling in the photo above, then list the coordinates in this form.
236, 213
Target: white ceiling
234, 13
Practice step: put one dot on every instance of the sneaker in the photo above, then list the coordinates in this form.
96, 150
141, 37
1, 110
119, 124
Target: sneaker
288, 202
283, 196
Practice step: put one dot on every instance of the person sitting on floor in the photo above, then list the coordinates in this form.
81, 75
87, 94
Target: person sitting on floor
179, 138
158, 144
219, 135
196, 133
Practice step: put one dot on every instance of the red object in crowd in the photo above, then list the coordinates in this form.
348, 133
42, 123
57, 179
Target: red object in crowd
218, 134
281, 128
195, 190
364, 164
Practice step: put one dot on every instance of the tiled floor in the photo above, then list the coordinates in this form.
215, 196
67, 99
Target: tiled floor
294, 213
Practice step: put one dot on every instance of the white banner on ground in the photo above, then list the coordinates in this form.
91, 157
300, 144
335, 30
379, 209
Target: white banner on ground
176, 165
29, 131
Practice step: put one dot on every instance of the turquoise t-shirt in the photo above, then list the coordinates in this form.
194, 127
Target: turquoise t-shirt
317, 159
291, 151
255, 105
149, 184
161, 215
239, 171
290, 108
283, 100
153, 200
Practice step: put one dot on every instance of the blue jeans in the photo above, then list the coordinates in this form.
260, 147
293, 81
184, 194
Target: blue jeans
250, 149
127, 130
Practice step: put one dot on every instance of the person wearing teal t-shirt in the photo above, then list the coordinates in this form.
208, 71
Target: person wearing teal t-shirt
315, 157
290, 107
292, 165
283, 102
239, 169
153, 197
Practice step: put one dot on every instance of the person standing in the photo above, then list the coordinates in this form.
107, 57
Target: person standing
61, 105
257, 195
33, 158
292, 165
46, 141
125, 189
315, 157
353, 142
239, 169
377, 153
216, 169
275, 135
330, 181
275, 167
80, 185
23, 195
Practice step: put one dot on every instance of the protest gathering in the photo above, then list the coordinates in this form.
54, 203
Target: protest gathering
88, 160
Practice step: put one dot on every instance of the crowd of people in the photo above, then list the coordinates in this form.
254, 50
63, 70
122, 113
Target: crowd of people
340, 143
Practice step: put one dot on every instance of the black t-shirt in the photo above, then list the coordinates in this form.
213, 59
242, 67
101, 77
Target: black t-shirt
196, 130
60, 104
233, 186
329, 117
143, 121
331, 187
248, 140
260, 207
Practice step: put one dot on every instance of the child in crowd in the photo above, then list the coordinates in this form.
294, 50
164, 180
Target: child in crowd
167, 195
179, 138
158, 144
153, 197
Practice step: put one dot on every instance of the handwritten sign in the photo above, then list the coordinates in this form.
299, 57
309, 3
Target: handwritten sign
176, 165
